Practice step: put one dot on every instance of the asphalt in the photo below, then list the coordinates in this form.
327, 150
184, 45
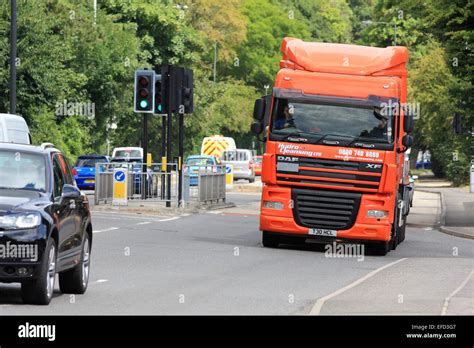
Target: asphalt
213, 263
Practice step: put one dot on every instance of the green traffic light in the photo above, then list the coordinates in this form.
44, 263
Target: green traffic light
143, 104
160, 108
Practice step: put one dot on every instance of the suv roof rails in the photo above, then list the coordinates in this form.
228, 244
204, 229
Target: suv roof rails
45, 146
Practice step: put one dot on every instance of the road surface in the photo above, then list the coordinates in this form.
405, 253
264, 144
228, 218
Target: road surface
214, 263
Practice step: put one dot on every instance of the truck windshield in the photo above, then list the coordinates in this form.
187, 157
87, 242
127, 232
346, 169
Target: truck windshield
311, 119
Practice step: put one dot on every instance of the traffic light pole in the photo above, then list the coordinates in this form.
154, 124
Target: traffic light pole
163, 155
168, 147
145, 156
180, 156
13, 58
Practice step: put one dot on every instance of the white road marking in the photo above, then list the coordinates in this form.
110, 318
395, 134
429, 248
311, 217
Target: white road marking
101, 281
320, 302
170, 219
107, 230
144, 223
459, 288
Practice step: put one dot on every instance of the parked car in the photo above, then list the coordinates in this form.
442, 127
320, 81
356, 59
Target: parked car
242, 162
13, 129
202, 163
43, 211
257, 164
84, 170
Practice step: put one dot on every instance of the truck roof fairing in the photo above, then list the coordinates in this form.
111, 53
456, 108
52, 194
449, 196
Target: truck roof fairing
340, 58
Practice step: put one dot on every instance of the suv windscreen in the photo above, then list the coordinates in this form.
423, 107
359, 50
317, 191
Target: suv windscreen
89, 162
308, 119
22, 171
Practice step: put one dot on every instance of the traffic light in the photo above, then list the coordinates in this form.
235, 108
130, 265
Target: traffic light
159, 101
144, 99
457, 123
188, 91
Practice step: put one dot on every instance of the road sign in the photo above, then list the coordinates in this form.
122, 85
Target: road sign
120, 187
229, 176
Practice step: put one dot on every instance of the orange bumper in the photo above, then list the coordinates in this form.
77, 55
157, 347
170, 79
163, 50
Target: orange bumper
364, 228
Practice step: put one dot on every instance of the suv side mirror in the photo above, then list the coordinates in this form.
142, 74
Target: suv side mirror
457, 123
408, 123
259, 109
70, 192
407, 141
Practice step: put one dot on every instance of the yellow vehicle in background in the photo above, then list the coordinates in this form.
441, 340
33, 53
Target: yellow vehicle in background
216, 145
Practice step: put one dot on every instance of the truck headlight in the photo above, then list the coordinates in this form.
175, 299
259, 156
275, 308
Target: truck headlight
379, 214
20, 221
273, 205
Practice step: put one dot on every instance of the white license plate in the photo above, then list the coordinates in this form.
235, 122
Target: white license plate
322, 232
90, 181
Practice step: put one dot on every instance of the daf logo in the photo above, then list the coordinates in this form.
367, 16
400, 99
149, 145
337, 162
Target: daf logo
373, 166
287, 159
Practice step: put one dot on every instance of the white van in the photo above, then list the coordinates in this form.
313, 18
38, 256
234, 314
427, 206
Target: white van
242, 161
13, 129
128, 152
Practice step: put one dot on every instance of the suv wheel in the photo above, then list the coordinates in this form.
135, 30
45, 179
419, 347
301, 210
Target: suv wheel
40, 290
75, 281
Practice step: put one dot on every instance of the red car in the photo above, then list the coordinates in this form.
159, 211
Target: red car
257, 165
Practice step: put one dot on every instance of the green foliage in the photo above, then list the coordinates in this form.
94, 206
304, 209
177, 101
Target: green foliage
63, 56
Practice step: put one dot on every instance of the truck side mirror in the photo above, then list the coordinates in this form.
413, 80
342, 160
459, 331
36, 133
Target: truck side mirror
457, 123
407, 141
256, 128
408, 123
259, 109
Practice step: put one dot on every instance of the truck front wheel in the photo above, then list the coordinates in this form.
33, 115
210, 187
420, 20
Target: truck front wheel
270, 240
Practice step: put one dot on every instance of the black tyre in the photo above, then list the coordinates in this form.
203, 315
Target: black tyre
251, 181
75, 281
403, 230
39, 291
270, 240
379, 249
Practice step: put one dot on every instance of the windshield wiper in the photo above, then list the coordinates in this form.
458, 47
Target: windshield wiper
367, 142
296, 136
324, 141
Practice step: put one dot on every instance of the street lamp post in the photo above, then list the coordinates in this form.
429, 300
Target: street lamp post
369, 22
13, 58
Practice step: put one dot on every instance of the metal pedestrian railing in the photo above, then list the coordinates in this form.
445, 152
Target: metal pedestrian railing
150, 185
202, 185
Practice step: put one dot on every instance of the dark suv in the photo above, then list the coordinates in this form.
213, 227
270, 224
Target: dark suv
45, 223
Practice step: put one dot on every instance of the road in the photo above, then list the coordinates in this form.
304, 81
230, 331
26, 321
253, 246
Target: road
214, 263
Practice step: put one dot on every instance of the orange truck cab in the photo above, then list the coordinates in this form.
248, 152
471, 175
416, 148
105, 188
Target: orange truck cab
336, 131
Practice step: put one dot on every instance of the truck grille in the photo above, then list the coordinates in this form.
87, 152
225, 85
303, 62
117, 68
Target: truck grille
317, 172
335, 210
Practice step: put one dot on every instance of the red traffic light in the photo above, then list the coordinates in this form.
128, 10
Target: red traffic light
143, 81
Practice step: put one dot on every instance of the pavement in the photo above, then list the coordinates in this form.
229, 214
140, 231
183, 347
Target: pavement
452, 206
213, 262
